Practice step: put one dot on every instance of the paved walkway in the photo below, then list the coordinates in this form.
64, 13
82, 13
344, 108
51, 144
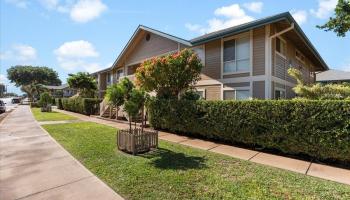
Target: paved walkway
34, 166
308, 168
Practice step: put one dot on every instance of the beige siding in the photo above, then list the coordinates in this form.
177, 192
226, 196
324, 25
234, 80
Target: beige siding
212, 68
212, 92
259, 51
156, 46
236, 75
233, 85
281, 66
259, 89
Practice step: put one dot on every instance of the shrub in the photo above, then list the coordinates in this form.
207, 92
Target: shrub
45, 99
86, 106
320, 129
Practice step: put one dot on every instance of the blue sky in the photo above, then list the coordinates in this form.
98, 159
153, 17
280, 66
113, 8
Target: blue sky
87, 35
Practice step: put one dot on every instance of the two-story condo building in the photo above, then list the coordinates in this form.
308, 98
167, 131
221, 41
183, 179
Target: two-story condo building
241, 62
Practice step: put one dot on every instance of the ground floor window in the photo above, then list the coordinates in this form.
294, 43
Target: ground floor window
280, 93
238, 94
201, 93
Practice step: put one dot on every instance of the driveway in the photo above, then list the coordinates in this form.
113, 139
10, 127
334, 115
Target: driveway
34, 166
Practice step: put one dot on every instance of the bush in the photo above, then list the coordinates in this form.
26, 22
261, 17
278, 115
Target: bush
45, 99
58, 102
86, 106
320, 129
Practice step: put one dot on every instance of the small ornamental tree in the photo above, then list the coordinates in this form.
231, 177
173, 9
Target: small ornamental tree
115, 96
45, 101
134, 104
169, 76
127, 86
318, 91
84, 83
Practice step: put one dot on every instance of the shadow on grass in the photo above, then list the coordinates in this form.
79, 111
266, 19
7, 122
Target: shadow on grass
166, 159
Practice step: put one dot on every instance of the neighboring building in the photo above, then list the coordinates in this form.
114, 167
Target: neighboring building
61, 91
333, 76
242, 62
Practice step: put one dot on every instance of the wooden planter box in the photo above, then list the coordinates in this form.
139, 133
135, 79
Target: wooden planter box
47, 108
136, 141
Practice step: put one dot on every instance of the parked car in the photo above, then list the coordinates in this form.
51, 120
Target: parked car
2, 107
16, 100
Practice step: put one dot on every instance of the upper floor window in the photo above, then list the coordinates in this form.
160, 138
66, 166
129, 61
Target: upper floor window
281, 46
199, 50
299, 56
119, 74
237, 55
108, 77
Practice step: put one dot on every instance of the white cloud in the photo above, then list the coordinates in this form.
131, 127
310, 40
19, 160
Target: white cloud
80, 11
325, 8
300, 16
3, 78
226, 16
76, 49
19, 3
254, 6
86, 10
20, 52
76, 56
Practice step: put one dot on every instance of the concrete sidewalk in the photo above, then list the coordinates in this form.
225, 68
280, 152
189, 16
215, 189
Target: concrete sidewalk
34, 166
300, 166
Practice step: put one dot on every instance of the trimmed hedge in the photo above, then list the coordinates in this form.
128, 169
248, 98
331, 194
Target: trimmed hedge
86, 106
320, 129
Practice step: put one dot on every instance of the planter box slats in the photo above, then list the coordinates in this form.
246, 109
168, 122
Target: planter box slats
136, 141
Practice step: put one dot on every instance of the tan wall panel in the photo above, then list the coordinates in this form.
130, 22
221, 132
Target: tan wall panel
233, 85
236, 75
259, 51
156, 46
259, 89
212, 92
212, 68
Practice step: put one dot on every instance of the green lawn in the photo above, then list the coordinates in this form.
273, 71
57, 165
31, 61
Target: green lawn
178, 172
50, 116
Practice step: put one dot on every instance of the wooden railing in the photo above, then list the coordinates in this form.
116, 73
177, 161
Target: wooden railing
103, 107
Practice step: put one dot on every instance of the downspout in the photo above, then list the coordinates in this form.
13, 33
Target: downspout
270, 58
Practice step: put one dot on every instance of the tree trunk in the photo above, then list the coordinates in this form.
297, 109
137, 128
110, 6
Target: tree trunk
116, 114
142, 117
110, 112
130, 123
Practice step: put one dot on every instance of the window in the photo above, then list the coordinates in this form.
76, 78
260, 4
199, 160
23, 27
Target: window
201, 93
200, 52
299, 56
281, 46
120, 73
239, 94
108, 77
280, 93
237, 55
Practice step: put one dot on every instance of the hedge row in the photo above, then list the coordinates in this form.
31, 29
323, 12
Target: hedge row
320, 129
86, 106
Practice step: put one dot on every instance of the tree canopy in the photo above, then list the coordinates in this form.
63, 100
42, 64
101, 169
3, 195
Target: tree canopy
27, 75
83, 82
340, 23
171, 75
